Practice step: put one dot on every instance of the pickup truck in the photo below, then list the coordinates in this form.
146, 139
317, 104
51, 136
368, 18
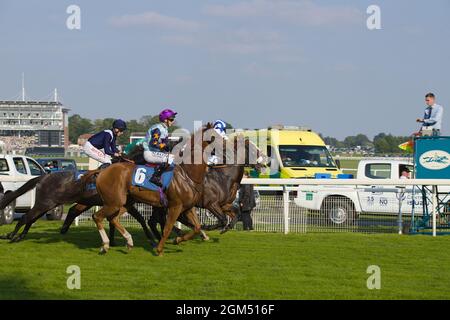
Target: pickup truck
344, 204
16, 170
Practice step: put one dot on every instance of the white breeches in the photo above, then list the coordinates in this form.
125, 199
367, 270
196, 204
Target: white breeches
158, 157
95, 153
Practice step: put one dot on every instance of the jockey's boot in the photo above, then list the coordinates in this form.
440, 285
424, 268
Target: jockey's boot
156, 177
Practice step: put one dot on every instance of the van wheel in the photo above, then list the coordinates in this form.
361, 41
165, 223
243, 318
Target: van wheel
55, 214
7, 214
339, 210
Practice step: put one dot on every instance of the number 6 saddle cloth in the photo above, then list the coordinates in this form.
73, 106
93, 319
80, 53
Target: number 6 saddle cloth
142, 174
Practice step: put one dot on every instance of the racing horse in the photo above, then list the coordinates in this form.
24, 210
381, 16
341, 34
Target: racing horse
115, 188
59, 188
221, 185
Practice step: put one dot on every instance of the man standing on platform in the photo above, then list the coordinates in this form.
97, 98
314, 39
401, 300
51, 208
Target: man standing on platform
432, 119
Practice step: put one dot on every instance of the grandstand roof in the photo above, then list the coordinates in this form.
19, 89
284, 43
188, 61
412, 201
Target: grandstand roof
33, 103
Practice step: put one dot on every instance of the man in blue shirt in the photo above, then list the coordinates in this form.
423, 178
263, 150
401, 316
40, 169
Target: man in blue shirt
432, 119
102, 146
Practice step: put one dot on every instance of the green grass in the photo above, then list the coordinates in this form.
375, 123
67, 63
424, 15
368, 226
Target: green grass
236, 265
350, 164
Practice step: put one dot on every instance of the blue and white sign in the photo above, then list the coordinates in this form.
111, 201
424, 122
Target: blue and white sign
432, 157
435, 160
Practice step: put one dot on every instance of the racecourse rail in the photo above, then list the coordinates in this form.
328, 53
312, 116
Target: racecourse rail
277, 212
351, 182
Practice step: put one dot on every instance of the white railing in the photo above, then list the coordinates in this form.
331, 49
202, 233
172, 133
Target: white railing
277, 210
400, 183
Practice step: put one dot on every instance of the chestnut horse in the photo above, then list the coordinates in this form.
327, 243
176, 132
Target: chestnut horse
221, 185
114, 186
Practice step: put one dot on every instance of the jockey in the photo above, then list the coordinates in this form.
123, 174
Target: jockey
220, 127
102, 145
156, 149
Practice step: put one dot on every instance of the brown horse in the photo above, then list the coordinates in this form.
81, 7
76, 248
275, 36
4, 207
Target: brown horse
114, 186
221, 185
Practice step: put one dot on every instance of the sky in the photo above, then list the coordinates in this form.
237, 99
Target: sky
252, 63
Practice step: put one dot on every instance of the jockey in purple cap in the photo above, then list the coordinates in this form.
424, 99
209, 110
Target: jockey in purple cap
156, 149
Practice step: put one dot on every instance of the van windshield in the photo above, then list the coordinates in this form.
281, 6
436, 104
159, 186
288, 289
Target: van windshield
306, 156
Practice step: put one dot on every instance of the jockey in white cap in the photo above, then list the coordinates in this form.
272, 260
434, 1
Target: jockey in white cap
220, 127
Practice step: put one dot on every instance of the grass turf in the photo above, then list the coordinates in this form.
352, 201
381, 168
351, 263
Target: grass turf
236, 265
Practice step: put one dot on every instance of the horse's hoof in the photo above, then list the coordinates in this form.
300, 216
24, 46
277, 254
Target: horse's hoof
63, 230
103, 251
129, 247
206, 238
7, 236
16, 239
153, 245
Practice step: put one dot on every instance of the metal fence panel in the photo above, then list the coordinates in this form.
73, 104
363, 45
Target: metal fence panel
337, 214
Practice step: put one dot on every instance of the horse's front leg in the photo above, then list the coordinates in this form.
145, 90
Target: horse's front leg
174, 213
230, 211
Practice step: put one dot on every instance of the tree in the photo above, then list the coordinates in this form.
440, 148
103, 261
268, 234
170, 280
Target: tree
387, 143
358, 140
332, 142
78, 126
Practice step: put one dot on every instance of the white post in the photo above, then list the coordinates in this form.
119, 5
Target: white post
434, 211
400, 195
77, 221
286, 209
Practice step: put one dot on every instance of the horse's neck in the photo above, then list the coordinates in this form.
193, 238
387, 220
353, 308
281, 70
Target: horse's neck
232, 174
195, 172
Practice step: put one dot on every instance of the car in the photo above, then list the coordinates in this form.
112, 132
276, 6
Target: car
60, 164
15, 171
57, 164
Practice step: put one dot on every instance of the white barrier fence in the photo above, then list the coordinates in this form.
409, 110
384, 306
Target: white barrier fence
278, 211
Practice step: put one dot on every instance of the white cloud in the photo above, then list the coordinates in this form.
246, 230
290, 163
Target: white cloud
245, 41
304, 12
156, 20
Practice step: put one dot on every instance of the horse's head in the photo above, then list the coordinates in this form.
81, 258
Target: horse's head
193, 149
243, 151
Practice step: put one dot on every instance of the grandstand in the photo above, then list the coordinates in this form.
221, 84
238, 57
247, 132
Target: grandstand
33, 124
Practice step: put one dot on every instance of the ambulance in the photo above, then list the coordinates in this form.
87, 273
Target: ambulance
295, 152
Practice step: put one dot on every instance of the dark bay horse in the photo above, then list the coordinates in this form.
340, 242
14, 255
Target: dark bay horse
114, 186
221, 185
59, 188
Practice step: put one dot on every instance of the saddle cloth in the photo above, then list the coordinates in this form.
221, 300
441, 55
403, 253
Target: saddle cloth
142, 174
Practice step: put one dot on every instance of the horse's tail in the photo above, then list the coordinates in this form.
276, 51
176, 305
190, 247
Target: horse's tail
11, 196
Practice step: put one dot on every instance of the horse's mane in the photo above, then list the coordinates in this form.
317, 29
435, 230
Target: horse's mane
136, 154
199, 134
